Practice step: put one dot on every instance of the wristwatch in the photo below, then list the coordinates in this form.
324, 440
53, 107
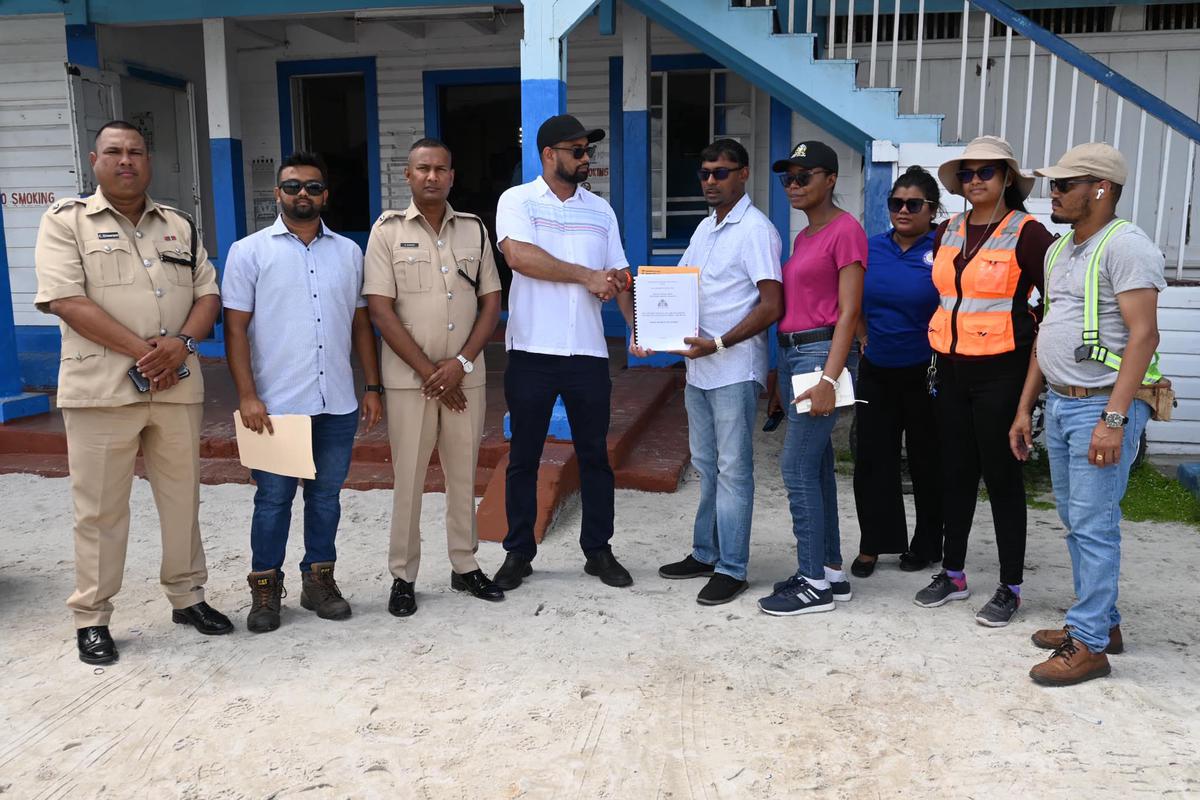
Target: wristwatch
720, 344
188, 342
468, 366
1114, 420
373, 387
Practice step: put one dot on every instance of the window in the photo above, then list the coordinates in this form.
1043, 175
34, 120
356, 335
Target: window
688, 110
1173, 17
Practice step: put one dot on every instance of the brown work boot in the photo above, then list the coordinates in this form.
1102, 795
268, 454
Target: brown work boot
266, 592
321, 593
1053, 638
1071, 663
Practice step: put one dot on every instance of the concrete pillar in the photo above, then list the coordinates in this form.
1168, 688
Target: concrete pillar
881, 165
14, 403
225, 143
635, 120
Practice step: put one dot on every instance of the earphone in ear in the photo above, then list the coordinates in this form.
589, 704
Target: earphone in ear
1099, 194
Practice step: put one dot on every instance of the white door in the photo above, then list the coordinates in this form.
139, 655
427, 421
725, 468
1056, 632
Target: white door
163, 114
95, 100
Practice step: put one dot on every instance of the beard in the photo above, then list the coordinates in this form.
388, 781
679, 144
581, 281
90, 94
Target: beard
1058, 219
570, 176
301, 213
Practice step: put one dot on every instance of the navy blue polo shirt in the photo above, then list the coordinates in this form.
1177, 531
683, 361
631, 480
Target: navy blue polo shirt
898, 301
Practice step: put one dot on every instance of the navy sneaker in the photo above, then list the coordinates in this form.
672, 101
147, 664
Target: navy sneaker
796, 596
841, 589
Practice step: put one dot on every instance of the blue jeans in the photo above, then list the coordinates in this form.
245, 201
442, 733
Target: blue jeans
333, 440
1089, 503
720, 422
807, 464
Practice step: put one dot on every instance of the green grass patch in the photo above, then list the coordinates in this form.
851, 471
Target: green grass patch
1153, 497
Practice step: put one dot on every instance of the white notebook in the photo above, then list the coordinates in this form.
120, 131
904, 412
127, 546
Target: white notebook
804, 381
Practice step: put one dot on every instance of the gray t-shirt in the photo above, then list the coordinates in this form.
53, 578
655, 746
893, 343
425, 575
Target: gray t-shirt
1130, 261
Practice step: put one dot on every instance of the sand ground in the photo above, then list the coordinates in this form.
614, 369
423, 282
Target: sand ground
570, 689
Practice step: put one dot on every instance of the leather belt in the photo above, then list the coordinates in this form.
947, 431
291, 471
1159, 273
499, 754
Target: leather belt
1080, 391
805, 337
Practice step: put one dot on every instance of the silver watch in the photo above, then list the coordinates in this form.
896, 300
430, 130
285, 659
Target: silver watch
468, 366
188, 342
1113, 419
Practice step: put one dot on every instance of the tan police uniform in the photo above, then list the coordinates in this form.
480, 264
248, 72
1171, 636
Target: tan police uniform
85, 248
408, 261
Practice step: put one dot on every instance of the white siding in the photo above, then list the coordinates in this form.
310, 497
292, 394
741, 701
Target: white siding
36, 151
1179, 327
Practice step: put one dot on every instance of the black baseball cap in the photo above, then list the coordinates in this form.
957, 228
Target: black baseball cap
564, 128
810, 155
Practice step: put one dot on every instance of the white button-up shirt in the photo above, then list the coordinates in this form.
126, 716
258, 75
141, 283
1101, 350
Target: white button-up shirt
560, 319
732, 256
303, 300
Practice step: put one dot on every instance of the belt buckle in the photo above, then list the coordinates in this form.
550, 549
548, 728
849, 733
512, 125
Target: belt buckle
1083, 352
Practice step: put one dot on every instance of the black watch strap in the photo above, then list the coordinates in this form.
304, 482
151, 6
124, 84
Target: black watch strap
188, 342
373, 387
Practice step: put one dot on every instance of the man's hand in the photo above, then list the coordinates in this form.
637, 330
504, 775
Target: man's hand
446, 376
638, 351
601, 283
254, 415
163, 383
622, 279
1105, 447
823, 397
1020, 436
372, 409
454, 399
165, 356
697, 347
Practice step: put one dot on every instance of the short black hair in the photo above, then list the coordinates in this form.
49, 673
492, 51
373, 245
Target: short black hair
730, 148
429, 141
117, 125
1116, 191
916, 177
302, 159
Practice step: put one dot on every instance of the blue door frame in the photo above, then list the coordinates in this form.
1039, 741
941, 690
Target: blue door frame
286, 70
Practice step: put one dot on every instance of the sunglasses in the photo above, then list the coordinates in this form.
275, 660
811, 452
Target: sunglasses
800, 178
293, 187
578, 152
913, 204
720, 173
1063, 185
985, 174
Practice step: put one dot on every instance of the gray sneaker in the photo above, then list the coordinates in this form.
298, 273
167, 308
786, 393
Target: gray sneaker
941, 591
999, 611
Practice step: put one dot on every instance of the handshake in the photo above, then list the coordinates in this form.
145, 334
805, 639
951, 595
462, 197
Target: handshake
607, 284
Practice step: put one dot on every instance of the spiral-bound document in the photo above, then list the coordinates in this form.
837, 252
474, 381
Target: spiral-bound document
666, 307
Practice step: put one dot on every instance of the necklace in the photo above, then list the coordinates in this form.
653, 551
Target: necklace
987, 231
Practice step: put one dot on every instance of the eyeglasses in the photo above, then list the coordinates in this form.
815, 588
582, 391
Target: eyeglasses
720, 173
1063, 185
293, 187
577, 152
800, 178
913, 204
985, 174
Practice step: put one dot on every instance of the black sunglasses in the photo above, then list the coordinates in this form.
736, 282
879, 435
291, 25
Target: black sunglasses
720, 173
913, 204
800, 178
293, 187
1063, 185
578, 151
985, 174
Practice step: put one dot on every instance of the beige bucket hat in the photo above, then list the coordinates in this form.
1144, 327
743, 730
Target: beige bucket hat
985, 148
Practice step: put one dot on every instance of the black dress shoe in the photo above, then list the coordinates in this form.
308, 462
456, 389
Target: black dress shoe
403, 600
516, 567
721, 588
689, 567
605, 566
477, 584
203, 618
863, 569
911, 562
95, 645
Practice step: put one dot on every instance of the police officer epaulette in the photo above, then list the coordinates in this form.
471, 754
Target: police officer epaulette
389, 214
66, 202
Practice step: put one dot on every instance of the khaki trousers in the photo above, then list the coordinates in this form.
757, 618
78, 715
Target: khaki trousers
415, 425
102, 444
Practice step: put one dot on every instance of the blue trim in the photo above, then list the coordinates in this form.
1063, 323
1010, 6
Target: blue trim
434, 79
286, 70
616, 140
82, 49
607, 12
541, 99
878, 183
14, 402
671, 63
1094, 69
779, 209
154, 76
229, 204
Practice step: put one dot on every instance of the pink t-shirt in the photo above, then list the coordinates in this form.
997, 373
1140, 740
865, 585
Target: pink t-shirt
810, 276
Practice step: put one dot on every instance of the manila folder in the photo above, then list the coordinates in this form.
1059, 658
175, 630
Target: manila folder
288, 451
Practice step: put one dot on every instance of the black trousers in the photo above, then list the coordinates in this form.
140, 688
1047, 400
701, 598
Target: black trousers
976, 403
532, 382
898, 404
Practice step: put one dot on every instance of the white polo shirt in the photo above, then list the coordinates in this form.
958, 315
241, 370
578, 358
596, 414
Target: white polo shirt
733, 257
561, 319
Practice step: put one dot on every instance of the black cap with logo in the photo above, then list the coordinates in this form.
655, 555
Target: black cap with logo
564, 128
810, 155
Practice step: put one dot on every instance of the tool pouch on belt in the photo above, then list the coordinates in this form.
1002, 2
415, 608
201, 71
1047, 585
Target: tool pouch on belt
1161, 398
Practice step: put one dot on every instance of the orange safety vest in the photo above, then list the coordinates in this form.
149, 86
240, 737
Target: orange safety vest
975, 312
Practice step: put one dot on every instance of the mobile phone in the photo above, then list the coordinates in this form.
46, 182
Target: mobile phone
139, 380
773, 421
